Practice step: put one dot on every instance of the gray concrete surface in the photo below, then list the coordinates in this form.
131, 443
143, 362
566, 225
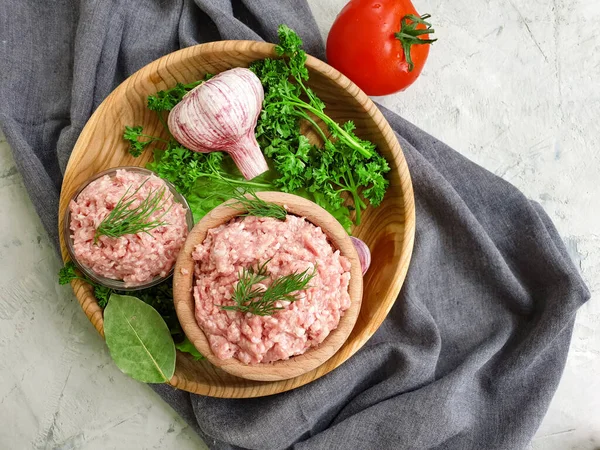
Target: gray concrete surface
511, 84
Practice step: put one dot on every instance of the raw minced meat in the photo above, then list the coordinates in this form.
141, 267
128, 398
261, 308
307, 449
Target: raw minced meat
290, 246
134, 258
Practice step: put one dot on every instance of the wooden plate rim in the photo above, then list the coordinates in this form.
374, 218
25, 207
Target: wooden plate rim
83, 291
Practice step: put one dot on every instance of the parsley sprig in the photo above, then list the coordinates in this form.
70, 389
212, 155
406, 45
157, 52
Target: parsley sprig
255, 300
184, 168
167, 99
345, 163
68, 273
138, 141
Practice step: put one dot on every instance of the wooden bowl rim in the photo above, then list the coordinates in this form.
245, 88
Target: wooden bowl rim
179, 380
183, 282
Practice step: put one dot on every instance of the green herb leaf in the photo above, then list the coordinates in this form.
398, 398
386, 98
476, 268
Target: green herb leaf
187, 347
138, 340
102, 294
205, 179
128, 219
184, 168
167, 99
344, 164
262, 302
133, 136
67, 273
255, 206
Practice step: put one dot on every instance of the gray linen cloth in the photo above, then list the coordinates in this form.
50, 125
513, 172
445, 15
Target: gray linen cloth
473, 349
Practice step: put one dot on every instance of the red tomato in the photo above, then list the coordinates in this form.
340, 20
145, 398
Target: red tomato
365, 45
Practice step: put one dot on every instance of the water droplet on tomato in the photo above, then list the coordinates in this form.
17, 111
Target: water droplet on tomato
377, 6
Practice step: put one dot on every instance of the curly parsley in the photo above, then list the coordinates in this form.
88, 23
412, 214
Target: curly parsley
345, 163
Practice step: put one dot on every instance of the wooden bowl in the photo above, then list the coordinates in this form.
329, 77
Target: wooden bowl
183, 281
388, 229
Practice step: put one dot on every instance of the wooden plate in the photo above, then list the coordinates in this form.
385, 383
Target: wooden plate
388, 230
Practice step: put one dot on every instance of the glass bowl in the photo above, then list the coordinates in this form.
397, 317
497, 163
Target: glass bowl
111, 283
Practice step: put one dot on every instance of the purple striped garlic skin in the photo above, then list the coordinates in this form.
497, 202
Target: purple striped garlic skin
364, 254
220, 115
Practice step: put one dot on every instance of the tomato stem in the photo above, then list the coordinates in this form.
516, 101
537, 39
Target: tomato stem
409, 34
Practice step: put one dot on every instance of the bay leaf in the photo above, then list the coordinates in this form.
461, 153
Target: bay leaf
138, 339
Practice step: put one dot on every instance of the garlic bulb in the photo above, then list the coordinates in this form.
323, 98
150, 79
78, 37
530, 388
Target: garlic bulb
364, 254
220, 115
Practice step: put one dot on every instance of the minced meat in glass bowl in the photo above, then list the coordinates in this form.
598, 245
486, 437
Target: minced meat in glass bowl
125, 226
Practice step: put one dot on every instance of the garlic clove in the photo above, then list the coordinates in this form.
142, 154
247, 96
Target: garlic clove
364, 254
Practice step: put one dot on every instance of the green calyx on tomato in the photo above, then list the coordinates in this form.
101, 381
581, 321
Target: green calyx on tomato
410, 35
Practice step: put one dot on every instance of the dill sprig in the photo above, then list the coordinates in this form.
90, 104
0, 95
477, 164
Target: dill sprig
244, 290
261, 302
124, 219
255, 206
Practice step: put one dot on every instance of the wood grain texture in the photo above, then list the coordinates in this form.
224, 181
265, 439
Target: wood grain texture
280, 370
388, 230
